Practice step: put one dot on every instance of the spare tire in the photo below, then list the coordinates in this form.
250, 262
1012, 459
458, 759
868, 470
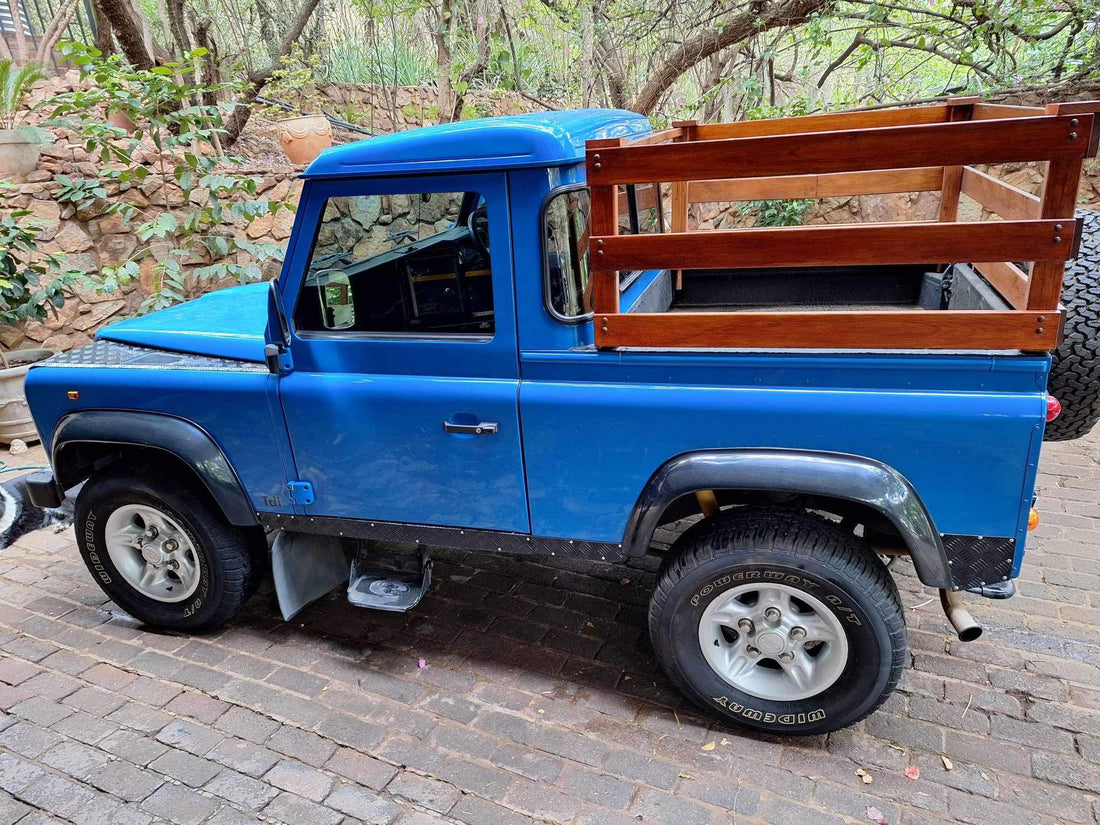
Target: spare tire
1075, 372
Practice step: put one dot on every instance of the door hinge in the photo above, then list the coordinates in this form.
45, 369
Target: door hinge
300, 492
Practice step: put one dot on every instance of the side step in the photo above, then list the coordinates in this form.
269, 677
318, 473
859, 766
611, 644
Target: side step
386, 580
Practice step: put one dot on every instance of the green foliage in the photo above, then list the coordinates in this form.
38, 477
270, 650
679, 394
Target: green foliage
778, 212
15, 85
184, 231
294, 83
33, 284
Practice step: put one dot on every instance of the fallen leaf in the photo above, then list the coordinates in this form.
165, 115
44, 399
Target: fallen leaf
709, 746
624, 581
898, 748
875, 815
726, 742
912, 772
686, 776
421, 663
866, 777
986, 776
590, 624
541, 710
948, 765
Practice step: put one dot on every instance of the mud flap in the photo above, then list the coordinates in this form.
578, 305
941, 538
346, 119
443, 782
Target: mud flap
306, 567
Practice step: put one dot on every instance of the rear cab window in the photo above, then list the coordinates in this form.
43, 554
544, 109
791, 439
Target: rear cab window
565, 234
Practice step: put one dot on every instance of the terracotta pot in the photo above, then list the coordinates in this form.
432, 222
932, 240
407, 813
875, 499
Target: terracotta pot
121, 120
15, 415
18, 152
304, 137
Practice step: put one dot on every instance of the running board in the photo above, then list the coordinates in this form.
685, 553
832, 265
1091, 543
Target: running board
396, 587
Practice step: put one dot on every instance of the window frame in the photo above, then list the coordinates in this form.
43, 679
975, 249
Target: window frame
544, 208
365, 335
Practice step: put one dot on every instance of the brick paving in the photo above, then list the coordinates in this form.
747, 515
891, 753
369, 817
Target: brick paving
540, 702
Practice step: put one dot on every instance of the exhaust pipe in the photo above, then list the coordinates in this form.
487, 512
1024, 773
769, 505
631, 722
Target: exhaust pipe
967, 629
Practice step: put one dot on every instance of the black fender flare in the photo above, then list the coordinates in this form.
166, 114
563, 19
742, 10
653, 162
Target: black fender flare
837, 475
183, 439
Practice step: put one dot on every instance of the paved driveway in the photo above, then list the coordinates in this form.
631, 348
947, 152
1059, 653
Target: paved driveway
538, 701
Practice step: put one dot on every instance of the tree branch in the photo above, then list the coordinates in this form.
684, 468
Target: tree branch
757, 18
258, 78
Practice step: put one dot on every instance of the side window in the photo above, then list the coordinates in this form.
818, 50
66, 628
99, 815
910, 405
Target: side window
565, 240
397, 264
565, 235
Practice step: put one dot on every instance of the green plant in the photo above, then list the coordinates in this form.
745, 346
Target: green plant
188, 227
777, 212
32, 283
15, 85
294, 80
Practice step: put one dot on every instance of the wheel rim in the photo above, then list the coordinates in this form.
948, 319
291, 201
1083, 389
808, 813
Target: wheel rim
773, 642
152, 553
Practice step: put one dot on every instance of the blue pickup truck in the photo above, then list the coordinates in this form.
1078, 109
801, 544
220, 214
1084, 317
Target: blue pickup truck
423, 372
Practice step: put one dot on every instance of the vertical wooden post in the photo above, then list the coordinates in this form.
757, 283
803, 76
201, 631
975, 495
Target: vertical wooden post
958, 108
680, 191
1058, 200
603, 220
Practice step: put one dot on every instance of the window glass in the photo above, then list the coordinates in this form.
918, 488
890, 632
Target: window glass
566, 238
400, 264
566, 233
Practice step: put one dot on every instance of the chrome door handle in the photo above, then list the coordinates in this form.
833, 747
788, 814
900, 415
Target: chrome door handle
480, 428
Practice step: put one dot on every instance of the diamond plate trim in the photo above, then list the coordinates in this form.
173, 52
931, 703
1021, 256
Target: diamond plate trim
519, 544
978, 560
102, 353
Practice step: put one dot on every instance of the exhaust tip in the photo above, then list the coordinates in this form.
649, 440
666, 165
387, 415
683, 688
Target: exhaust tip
969, 634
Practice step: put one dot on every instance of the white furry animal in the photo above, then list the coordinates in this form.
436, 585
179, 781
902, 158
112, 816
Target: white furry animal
19, 517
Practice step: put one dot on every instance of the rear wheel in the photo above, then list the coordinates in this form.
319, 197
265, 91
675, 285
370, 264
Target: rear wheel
163, 551
779, 621
1075, 369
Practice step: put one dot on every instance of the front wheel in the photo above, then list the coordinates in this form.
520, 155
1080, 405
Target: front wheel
779, 621
163, 551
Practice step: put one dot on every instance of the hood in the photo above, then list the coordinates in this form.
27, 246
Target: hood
229, 323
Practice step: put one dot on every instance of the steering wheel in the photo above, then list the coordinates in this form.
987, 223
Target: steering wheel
478, 224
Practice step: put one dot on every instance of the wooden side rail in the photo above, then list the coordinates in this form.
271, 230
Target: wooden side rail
894, 147
844, 245
825, 122
944, 329
839, 184
1001, 198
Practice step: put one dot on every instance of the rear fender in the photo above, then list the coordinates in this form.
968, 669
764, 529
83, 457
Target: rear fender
836, 475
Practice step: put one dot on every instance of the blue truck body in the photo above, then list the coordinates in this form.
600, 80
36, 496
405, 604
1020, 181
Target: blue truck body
582, 431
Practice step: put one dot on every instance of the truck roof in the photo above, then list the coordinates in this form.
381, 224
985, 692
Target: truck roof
508, 142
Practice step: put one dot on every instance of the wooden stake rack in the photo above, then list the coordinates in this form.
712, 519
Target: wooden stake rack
924, 148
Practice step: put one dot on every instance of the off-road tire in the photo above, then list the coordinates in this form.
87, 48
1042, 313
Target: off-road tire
230, 558
1075, 372
804, 551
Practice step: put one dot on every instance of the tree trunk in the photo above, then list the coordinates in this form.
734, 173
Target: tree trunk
130, 30
444, 62
732, 30
103, 39
242, 111
22, 51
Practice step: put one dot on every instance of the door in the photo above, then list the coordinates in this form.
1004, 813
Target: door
402, 401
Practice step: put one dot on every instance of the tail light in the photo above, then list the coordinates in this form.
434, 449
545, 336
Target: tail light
1054, 408
1032, 519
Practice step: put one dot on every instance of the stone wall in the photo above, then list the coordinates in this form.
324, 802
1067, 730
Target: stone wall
90, 240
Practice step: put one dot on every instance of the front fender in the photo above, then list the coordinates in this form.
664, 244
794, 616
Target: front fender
183, 439
850, 477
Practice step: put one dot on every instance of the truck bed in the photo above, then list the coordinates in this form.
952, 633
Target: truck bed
820, 289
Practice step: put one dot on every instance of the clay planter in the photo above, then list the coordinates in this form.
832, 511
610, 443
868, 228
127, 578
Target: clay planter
304, 137
15, 415
120, 121
18, 152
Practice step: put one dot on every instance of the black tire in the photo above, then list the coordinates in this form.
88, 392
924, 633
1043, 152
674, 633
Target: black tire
230, 558
1075, 372
805, 552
